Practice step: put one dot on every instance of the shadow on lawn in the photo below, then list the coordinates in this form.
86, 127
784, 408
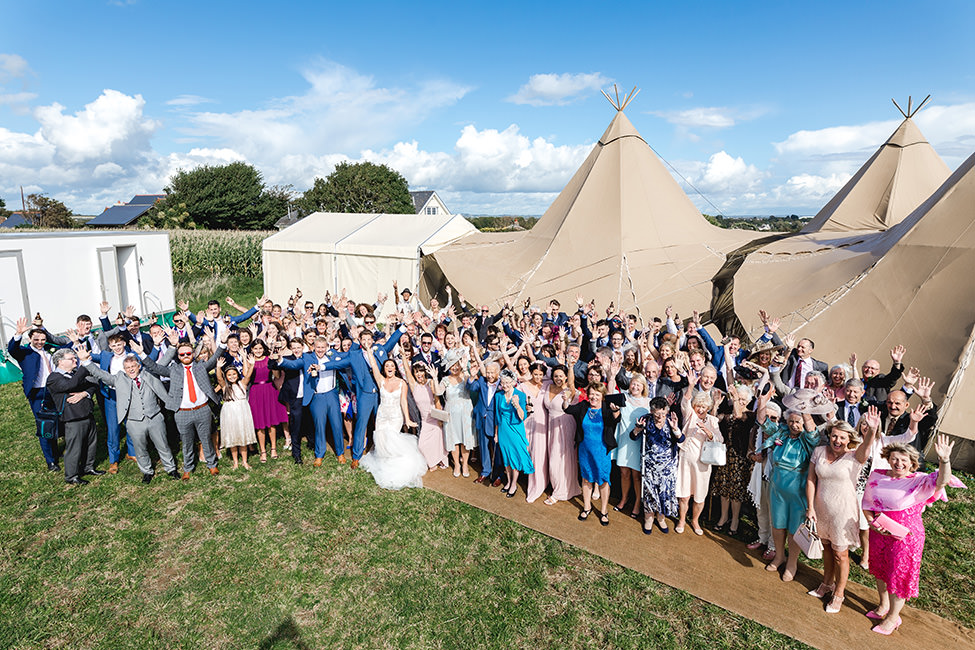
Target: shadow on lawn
286, 631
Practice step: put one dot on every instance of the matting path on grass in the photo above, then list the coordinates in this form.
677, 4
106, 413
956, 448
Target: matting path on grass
718, 570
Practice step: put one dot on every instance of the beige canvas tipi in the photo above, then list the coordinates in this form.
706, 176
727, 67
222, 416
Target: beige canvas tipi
621, 229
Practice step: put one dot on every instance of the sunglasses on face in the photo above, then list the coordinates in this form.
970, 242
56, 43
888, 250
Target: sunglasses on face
184, 354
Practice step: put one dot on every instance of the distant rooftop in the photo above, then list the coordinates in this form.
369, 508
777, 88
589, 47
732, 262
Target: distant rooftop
124, 215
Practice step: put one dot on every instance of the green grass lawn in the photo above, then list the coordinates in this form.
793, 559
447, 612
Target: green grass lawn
302, 557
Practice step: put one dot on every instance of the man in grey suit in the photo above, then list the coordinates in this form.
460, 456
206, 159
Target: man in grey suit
191, 397
138, 396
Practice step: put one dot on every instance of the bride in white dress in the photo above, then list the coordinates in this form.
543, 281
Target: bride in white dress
395, 460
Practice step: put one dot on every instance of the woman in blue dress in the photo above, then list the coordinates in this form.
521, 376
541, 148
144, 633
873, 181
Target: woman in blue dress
596, 421
660, 436
510, 406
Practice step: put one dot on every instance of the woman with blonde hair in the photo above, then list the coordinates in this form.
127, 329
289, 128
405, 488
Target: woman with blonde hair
893, 503
831, 492
693, 476
628, 452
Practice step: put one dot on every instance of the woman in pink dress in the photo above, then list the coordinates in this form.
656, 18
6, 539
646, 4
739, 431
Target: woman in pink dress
693, 476
268, 412
896, 498
431, 439
536, 429
562, 460
831, 492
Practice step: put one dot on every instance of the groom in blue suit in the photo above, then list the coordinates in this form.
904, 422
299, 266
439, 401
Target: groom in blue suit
320, 394
366, 390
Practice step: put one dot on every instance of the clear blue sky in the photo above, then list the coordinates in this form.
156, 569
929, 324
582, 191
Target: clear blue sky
493, 105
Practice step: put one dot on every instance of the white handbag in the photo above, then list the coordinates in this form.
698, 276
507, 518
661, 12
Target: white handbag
809, 541
440, 414
714, 453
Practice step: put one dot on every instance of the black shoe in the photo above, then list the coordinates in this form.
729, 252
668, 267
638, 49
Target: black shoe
173, 475
53, 467
146, 478
76, 481
298, 461
94, 472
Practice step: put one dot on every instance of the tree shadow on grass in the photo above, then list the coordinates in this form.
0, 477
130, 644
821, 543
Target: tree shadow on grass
286, 634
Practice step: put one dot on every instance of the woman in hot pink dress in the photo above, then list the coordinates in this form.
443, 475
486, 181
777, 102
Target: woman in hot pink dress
901, 494
268, 412
431, 440
562, 460
536, 429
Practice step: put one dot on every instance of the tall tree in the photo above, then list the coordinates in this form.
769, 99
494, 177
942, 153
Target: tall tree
45, 212
359, 187
228, 197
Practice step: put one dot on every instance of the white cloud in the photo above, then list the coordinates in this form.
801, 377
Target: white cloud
342, 110
722, 175
189, 100
710, 117
113, 127
487, 160
558, 89
12, 66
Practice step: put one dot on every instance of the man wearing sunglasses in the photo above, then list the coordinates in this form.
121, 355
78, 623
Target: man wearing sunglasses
191, 397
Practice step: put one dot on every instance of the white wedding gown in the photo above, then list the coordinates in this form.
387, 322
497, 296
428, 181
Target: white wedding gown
395, 460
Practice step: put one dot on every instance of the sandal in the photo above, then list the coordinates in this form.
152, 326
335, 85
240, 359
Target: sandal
604, 519
274, 453
584, 514
551, 501
263, 457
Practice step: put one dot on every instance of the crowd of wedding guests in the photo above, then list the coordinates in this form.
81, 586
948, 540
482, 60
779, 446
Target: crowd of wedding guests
558, 403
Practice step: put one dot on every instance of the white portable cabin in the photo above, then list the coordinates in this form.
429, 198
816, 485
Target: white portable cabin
362, 253
62, 274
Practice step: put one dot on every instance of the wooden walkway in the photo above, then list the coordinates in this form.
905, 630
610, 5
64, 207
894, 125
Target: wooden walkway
718, 570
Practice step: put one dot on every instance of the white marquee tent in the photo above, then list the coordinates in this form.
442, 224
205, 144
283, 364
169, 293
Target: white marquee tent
363, 253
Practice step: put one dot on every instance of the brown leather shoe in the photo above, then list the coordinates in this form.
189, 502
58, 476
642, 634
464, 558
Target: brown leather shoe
318, 462
480, 479
186, 476
497, 483
354, 463
214, 471
113, 468
341, 459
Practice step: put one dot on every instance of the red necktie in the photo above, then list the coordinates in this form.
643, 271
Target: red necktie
798, 378
190, 384
138, 384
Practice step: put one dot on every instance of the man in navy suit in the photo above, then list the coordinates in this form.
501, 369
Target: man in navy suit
482, 389
427, 354
292, 394
36, 364
366, 390
320, 395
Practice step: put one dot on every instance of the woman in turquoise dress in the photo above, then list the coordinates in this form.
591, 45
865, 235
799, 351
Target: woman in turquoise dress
791, 446
510, 406
628, 454
596, 421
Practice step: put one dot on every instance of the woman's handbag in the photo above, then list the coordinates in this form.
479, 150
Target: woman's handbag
714, 453
809, 541
885, 524
440, 414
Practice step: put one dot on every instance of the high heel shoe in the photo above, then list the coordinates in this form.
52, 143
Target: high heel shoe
876, 628
584, 514
821, 590
834, 605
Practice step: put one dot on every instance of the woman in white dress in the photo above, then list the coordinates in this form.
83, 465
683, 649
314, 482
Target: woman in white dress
395, 460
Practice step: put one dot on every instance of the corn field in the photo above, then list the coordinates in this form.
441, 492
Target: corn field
229, 252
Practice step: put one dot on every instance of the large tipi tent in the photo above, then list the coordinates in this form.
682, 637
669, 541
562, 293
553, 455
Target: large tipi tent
362, 253
797, 277
621, 229
920, 295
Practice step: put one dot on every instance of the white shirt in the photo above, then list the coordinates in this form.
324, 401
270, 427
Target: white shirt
492, 389
115, 367
186, 402
43, 369
806, 366
326, 378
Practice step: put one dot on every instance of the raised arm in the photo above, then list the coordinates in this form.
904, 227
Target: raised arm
872, 417
943, 448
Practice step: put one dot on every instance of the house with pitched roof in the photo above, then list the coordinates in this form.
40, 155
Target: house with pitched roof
427, 202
